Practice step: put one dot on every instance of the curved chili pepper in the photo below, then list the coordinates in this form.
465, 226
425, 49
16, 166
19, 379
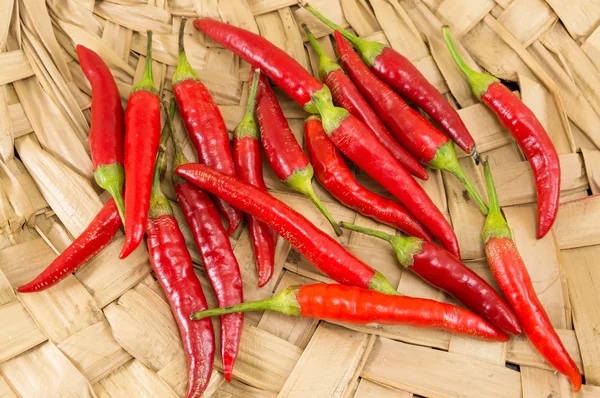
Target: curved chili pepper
142, 126
513, 279
248, 167
346, 95
334, 175
205, 125
354, 305
108, 126
444, 271
400, 74
285, 156
411, 129
527, 131
285, 71
319, 248
221, 266
174, 270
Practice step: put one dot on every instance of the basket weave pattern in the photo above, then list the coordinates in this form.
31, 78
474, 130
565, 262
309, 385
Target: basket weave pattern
107, 330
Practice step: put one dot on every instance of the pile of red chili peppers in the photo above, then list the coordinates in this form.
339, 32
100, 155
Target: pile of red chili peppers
374, 128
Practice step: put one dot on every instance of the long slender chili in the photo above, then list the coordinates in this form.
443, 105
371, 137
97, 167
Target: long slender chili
142, 126
400, 74
248, 167
107, 132
413, 131
351, 304
513, 279
219, 261
319, 248
527, 131
444, 271
205, 125
174, 270
346, 95
284, 154
333, 173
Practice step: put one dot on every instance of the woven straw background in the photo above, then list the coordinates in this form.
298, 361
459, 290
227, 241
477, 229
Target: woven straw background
108, 332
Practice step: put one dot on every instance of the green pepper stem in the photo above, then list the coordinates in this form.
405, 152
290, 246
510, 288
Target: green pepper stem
351, 38
326, 65
367, 231
146, 82
251, 104
495, 224
184, 70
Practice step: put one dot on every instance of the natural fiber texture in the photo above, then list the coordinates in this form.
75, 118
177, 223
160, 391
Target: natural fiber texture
107, 331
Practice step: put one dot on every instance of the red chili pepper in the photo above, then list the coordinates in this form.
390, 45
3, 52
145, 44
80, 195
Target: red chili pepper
285, 156
527, 131
217, 255
108, 126
412, 130
354, 305
286, 72
174, 270
346, 95
334, 175
318, 247
514, 281
142, 125
400, 74
444, 271
205, 125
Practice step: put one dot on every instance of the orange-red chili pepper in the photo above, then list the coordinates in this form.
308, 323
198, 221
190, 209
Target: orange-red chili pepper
400, 74
351, 304
346, 95
513, 279
205, 125
527, 131
248, 167
107, 132
333, 173
142, 137
284, 154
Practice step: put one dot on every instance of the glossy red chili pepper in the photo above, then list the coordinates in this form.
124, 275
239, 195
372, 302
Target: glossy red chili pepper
346, 95
359, 144
248, 167
98, 234
221, 266
286, 72
412, 130
142, 126
174, 270
333, 173
205, 125
354, 305
527, 131
514, 281
284, 154
318, 247
444, 271
400, 74
107, 132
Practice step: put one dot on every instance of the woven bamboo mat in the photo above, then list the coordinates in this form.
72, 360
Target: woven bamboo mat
107, 331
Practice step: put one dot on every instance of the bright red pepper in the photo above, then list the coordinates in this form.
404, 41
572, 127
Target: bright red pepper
218, 259
174, 270
514, 281
527, 131
354, 305
333, 173
248, 167
107, 132
318, 247
205, 125
142, 137
284, 154
413, 131
346, 95
400, 74
444, 271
